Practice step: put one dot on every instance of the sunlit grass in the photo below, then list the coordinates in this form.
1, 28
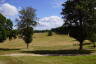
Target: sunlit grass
49, 60
47, 45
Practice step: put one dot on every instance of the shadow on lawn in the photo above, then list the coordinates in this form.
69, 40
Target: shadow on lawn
59, 52
8, 49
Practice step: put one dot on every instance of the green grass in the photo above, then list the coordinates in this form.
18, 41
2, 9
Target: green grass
43, 44
9, 60
40, 39
60, 60
40, 42
49, 60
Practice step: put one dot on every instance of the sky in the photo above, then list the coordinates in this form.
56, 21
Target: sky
47, 10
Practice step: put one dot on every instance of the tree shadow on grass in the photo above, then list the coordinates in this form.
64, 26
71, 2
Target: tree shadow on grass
60, 52
8, 49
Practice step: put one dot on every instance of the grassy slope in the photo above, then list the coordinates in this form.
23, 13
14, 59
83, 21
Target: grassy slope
40, 42
40, 39
43, 42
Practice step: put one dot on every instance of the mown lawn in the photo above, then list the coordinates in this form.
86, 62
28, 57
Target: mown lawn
9, 60
48, 60
59, 60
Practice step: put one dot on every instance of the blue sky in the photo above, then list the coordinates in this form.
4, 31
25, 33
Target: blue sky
44, 7
47, 10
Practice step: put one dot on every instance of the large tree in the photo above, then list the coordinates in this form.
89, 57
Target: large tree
26, 21
92, 23
5, 28
78, 15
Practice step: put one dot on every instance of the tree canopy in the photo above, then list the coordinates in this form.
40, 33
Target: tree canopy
5, 28
79, 15
26, 21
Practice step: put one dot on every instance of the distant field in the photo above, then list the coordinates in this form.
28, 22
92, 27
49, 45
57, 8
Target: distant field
60, 48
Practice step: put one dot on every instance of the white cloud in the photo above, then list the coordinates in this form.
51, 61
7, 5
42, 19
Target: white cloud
48, 23
8, 9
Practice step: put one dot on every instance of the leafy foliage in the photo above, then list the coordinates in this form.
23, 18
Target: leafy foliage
79, 17
5, 28
26, 22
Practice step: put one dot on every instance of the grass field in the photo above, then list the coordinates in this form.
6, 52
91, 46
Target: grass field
40, 42
48, 60
60, 48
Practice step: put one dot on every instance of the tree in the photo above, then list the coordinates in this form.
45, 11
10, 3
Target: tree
26, 22
61, 30
92, 23
2, 28
9, 28
77, 14
14, 33
50, 33
3, 35
5, 28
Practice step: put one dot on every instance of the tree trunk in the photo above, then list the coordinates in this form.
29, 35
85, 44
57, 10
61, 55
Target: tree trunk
68, 34
50, 33
81, 45
27, 45
94, 44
